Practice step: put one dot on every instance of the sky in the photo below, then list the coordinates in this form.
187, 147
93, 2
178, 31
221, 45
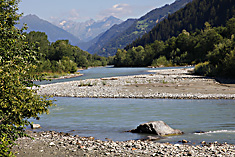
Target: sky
83, 10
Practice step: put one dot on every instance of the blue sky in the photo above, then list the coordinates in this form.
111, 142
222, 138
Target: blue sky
82, 10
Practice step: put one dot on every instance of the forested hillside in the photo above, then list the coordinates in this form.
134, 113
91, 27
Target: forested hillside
138, 28
190, 18
211, 48
110, 34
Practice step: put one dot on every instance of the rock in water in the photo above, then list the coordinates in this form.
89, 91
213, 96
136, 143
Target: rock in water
156, 127
35, 126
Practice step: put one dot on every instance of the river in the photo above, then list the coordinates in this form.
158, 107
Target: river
110, 118
109, 71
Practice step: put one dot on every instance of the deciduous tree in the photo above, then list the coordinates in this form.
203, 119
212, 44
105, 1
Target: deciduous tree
18, 101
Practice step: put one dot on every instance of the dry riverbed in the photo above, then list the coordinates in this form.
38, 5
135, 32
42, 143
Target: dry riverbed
172, 83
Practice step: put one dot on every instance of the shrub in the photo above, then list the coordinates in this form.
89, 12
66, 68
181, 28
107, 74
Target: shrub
205, 69
161, 61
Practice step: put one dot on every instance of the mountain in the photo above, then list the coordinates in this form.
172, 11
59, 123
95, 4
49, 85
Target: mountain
200, 34
53, 32
85, 45
90, 29
191, 18
137, 29
110, 34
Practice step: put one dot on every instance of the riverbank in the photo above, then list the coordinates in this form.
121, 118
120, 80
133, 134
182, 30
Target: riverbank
49, 144
170, 83
57, 76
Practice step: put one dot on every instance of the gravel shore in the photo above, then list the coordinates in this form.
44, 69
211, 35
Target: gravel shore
49, 144
171, 83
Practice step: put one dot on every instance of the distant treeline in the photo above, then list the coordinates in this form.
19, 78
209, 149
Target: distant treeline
212, 48
61, 56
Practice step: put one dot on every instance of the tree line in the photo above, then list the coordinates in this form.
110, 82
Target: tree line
61, 56
212, 48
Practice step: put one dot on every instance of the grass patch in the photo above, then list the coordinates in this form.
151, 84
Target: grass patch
82, 84
164, 82
104, 83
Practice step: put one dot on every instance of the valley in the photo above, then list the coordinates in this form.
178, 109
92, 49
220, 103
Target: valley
173, 62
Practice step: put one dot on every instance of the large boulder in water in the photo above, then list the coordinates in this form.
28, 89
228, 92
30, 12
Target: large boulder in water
156, 127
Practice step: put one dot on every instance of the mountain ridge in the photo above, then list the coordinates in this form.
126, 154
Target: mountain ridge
141, 26
88, 30
54, 33
206, 11
111, 33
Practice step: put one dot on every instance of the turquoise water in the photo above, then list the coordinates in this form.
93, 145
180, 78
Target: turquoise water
110, 71
109, 118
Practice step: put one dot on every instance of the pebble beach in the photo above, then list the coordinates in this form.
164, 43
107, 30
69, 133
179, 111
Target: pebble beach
50, 144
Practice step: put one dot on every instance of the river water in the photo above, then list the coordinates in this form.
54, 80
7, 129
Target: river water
109, 71
110, 118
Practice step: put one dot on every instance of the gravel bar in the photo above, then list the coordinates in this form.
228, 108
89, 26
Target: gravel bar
171, 84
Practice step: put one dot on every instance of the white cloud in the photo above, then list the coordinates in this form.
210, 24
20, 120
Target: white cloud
117, 10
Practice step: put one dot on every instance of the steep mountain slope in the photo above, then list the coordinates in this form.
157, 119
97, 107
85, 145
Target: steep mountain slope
88, 30
53, 32
85, 45
140, 27
110, 34
191, 18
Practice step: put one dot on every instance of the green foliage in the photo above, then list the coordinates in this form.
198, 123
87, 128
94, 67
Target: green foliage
204, 69
18, 102
61, 56
120, 57
134, 31
213, 48
223, 59
230, 25
192, 18
40, 42
180, 50
161, 61
86, 84
66, 65
104, 83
